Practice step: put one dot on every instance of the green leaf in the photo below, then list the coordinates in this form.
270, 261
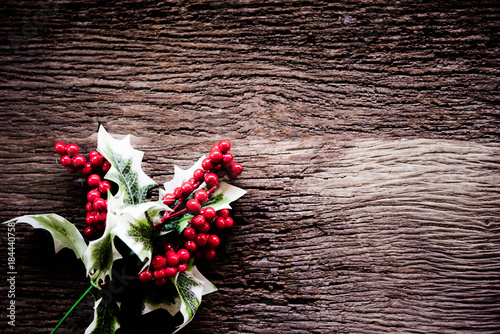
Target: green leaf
105, 318
191, 286
64, 233
126, 168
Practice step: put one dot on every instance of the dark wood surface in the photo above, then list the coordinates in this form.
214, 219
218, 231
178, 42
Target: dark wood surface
369, 131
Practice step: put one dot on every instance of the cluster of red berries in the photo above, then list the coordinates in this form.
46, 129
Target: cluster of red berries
93, 170
197, 241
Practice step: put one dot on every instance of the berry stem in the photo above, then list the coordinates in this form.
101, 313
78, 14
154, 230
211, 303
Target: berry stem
71, 309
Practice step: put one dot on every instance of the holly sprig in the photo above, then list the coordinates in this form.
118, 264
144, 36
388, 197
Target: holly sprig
162, 238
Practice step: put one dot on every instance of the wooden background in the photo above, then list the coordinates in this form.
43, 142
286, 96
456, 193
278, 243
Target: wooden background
368, 130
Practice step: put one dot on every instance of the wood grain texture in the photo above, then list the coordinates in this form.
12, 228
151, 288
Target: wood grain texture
368, 130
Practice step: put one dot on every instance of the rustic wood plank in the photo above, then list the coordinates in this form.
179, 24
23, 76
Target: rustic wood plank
368, 129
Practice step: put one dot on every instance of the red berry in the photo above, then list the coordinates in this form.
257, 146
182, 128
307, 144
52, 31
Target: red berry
183, 255
224, 145
60, 148
189, 233
182, 267
223, 213
89, 232
93, 152
87, 169
168, 199
213, 241
93, 181
209, 254
145, 276
79, 161
235, 170
90, 219
168, 247
192, 182
106, 166
66, 160
186, 189
209, 213
101, 217
178, 193
204, 228
198, 174
193, 206
172, 259
93, 195
215, 156
220, 223
89, 206
100, 204
159, 262
190, 246
160, 282
201, 195
198, 221
171, 272
159, 274
104, 186
96, 161
201, 239
206, 164
227, 160
72, 150
229, 222
211, 179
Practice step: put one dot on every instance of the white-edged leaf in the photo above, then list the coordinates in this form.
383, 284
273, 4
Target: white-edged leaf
224, 195
126, 169
208, 287
190, 287
101, 253
105, 317
64, 233
134, 226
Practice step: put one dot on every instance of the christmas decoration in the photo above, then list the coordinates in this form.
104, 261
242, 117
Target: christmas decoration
160, 239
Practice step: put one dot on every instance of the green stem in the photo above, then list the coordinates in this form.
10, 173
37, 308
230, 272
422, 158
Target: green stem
71, 309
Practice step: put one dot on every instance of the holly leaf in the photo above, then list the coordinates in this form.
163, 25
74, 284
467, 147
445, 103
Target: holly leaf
101, 253
224, 195
64, 233
191, 286
105, 317
126, 171
99, 258
135, 227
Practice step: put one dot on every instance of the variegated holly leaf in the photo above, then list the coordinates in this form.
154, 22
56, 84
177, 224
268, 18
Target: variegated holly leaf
191, 286
135, 225
64, 233
126, 168
105, 317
